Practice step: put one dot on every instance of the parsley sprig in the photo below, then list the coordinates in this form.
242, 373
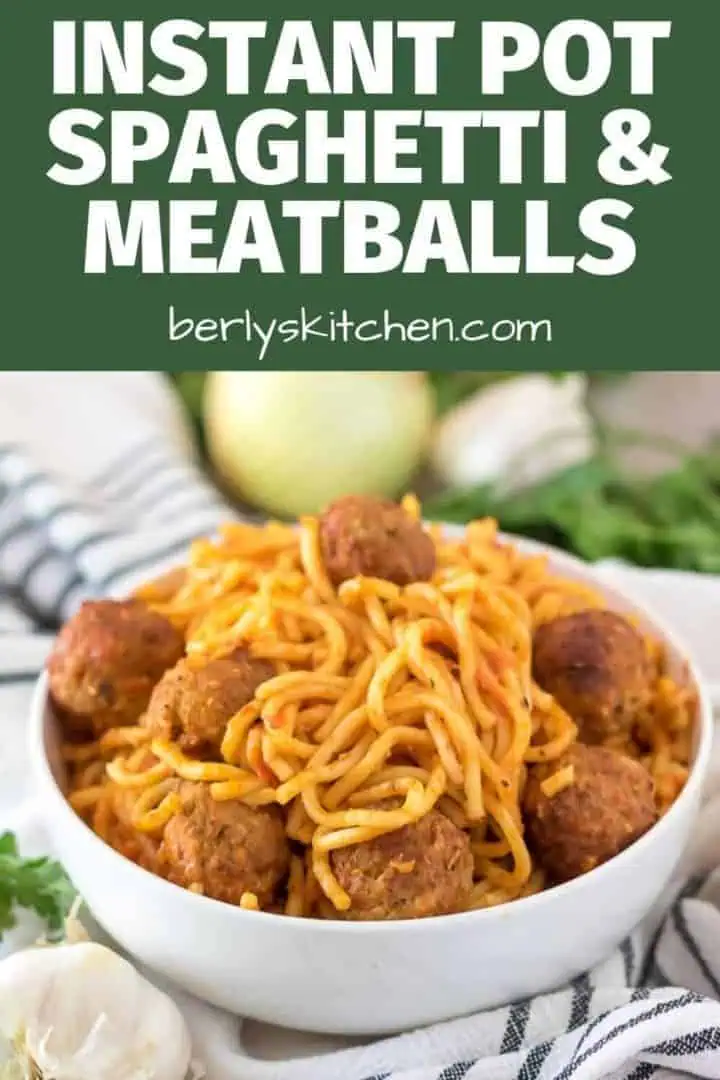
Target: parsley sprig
39, 884
597, 510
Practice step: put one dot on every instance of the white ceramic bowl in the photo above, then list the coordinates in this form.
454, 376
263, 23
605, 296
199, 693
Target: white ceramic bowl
372, 978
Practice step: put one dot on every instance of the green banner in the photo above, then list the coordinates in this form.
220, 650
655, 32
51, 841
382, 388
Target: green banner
512, 186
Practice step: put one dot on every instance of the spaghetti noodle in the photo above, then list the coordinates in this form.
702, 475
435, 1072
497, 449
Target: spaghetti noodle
387, 701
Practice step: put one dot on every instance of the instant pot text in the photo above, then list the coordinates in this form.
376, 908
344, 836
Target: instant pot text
427, 146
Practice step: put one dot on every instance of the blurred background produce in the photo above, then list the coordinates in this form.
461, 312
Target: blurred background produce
605, 466
513, 432
290, 442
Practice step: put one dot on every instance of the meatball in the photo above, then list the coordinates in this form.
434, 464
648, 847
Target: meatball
192, 704
106, 661
363, 536
607, 807
422, 869
596, 666
224, 848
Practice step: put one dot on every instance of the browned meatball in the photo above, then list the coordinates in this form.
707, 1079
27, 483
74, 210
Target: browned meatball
224, 848
606, 808
192, 703
363, 536
596, 666
422, 869
106, 661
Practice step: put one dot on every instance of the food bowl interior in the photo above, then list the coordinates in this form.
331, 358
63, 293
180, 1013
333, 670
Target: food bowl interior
679, 662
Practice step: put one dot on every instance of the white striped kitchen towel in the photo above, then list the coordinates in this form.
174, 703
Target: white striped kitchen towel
97, 488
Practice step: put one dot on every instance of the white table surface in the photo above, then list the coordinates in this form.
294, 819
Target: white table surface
15, 781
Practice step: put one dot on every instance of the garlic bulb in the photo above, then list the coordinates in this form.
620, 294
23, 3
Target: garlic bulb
516, 432
80, 1012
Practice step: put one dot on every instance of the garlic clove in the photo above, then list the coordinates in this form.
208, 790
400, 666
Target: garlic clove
484, 439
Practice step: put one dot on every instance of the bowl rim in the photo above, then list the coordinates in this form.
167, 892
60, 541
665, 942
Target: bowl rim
46, 781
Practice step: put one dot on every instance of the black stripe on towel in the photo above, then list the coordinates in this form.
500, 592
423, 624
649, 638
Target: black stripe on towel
127, 459
186, 504
73, 549
38, 560
695, 1042
658, 975
136, 476
515, 1027
643, 1071
170, 486
17, 528
628, 956
580, 1006
57, 511
532, 1066
96, 537
637, 995
11, 678
588, 1031
149, 559
661, 1009
28, 482
60, 600
680, 924
649, 965
458, 1071
24, 605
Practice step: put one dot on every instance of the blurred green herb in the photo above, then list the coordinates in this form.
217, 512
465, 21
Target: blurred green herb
190, 386
452, 387
597, 511
40, 885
